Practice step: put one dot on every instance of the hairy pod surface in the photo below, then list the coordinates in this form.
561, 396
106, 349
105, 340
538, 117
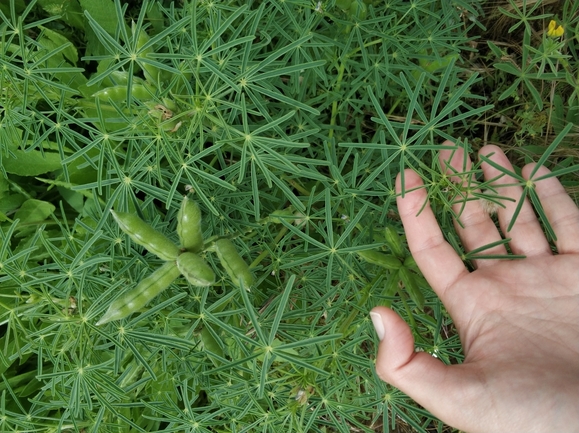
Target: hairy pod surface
387, 261
189, 226
233, 264
152, 72
278, 215
195, 270
137, 298
410, 263
411, 286
118, 78
391, 287
394, 242
119, 93
143, 234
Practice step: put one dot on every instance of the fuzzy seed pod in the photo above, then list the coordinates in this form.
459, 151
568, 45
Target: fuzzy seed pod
195, 269
152, 72
137, 298
189, 226
387, 261
394, 242
143, 234
233, 264
411, 287
119, 93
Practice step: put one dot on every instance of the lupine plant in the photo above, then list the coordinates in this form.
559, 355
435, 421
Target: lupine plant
286, 122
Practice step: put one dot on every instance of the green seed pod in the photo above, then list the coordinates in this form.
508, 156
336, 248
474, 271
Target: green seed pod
411, 286
358, 10
143, 234
115, 93
195, 270
278, 215
387, 261
344, 4
152, 72
434, 65
394, 242
170, 104
233, 264
120, 78
142, 92
390, 288
409, 262
119, 93
138, 297
189, 226
116, 78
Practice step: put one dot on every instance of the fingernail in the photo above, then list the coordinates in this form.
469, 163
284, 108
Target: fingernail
378, 325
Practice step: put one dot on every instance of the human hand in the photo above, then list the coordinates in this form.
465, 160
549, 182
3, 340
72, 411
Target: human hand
518, 320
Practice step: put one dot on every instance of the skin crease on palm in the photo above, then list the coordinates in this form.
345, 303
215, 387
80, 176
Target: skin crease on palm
518, 320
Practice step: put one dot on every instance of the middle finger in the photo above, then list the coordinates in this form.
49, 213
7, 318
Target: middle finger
526, 234
473, 225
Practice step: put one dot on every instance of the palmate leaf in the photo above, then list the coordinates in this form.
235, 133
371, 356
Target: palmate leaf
216, 35
278, 96
550, 150
266, 108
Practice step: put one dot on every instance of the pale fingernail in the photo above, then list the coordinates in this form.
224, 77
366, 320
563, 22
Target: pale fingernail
378, 325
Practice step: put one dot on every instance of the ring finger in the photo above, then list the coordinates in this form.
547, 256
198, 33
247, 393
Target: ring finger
472, 223
526, 234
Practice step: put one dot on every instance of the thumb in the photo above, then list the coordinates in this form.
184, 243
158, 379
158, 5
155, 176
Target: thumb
422, 377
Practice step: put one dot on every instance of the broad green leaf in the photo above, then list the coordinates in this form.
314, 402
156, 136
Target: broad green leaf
69, 10
5, 6
103, 12
10, 202
34, 211
52, 39
4, 187
31, 163
508, 67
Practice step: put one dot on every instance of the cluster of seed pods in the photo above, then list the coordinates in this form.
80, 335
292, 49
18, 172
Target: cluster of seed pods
180, 260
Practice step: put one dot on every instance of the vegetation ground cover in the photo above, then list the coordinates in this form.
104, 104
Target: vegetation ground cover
287, 121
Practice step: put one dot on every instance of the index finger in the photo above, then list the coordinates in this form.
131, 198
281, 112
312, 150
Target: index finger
437, 260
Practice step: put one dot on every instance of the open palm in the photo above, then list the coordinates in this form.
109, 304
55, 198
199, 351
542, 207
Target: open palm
518, 320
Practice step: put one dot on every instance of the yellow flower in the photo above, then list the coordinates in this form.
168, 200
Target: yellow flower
555, 31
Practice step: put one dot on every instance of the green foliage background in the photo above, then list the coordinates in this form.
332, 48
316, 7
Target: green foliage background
288, 121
